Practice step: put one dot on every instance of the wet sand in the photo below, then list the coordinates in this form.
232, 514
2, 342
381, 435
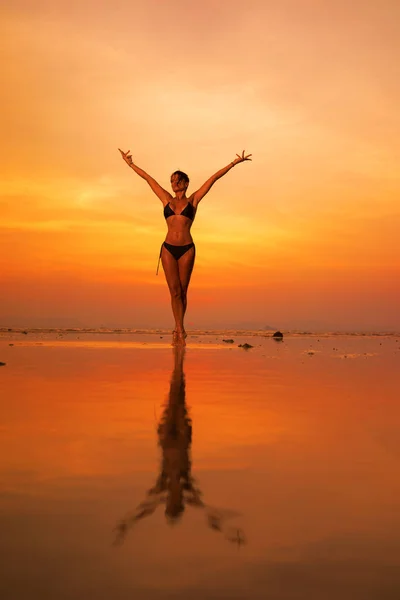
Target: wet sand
290, 452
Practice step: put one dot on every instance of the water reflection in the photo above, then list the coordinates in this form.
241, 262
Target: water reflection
175, 487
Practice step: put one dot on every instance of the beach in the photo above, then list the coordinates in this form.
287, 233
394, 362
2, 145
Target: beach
290, 452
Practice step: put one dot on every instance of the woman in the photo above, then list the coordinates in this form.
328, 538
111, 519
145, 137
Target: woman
178, 251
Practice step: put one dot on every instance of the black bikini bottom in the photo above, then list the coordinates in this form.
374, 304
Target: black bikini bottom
176, 251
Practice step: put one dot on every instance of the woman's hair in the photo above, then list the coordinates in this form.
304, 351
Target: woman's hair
181, 176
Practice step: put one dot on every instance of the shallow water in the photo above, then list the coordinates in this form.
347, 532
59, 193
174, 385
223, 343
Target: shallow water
288, 452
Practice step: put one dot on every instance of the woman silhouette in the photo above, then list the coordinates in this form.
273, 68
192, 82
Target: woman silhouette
178, 251
175, 486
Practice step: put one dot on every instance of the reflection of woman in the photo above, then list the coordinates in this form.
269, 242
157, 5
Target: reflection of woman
178, 251
175, 486
175, 438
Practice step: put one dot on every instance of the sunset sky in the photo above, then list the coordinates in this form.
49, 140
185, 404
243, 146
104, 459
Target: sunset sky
307, 235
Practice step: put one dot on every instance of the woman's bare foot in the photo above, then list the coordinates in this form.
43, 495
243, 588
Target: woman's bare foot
180, 338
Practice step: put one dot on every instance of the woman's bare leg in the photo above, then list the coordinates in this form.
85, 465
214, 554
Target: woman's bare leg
185, 267
170, 266
177, 274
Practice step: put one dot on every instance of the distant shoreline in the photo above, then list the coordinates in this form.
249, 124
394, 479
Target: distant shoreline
4, 331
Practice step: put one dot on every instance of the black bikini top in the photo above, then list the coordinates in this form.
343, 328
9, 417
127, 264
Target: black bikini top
188, 211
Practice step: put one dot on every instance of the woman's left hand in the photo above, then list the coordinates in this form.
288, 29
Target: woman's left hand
242, 158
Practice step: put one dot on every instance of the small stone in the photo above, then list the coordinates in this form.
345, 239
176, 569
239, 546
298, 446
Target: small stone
229, 341
2, 364
245, 346
11, 344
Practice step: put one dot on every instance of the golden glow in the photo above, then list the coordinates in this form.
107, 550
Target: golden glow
312, 96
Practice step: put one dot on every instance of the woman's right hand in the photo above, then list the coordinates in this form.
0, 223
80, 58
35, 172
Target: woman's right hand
242, 158
127, 157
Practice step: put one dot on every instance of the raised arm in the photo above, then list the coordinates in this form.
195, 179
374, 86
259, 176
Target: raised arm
164, 196
205, 188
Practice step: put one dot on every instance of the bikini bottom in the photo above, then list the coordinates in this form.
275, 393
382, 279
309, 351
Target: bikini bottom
176, 251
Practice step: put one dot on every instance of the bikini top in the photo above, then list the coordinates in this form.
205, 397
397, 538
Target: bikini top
188, 211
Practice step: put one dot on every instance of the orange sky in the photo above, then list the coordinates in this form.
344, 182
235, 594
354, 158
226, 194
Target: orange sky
306, 235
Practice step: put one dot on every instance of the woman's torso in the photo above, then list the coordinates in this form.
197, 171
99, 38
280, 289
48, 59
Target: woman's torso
178, 224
